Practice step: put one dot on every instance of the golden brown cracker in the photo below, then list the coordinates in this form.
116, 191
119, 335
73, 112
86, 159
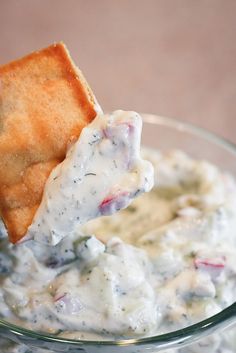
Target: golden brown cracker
44, 104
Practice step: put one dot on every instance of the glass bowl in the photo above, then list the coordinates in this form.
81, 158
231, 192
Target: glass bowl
164, 134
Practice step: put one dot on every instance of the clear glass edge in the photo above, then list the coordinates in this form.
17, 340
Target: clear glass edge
223, 319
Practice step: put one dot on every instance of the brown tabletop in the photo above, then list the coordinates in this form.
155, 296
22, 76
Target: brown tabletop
171, 57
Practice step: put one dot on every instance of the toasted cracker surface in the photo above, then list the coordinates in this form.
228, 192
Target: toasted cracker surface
44, 104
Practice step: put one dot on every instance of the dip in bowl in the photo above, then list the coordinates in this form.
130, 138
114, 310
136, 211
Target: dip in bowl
160, 274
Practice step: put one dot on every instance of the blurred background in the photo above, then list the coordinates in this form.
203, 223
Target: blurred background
174, 58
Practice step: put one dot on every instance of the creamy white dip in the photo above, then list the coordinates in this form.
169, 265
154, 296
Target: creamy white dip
101, 174
165, 262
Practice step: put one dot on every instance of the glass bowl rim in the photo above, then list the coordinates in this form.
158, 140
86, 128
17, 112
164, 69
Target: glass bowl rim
224, 318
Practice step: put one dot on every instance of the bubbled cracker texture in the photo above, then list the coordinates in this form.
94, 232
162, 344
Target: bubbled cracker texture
44, 104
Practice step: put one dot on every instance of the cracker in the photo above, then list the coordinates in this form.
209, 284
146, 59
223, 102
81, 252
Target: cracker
44, 104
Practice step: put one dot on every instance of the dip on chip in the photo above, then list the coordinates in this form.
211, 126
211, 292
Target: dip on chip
44, 104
